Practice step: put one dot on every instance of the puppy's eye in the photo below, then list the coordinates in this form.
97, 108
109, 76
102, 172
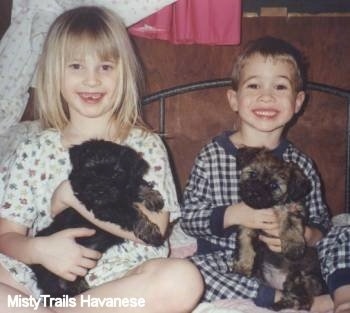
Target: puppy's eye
118, 172
274, 185
253, 174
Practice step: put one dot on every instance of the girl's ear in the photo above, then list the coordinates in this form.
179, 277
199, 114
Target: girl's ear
299, 101
232, 99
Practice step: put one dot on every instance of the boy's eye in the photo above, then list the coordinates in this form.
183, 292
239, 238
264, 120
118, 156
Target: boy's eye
281, 87
252, 86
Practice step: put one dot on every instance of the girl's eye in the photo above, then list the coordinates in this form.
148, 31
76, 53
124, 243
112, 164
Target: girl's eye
75, 66
106, 67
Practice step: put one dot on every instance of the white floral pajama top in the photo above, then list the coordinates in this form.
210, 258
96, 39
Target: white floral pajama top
40, 165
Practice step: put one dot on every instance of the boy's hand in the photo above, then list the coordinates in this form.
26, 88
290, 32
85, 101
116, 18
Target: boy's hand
272, 239
242, 214
61, 255
264, 219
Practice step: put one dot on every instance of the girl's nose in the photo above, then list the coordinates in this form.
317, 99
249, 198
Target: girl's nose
91, 78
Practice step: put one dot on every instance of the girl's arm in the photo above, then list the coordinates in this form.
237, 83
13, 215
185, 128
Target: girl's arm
59, 253
63, 197
15, 243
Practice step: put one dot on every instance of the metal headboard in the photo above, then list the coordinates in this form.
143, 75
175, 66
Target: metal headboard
161, 95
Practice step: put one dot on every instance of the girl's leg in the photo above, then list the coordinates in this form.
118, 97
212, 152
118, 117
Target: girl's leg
166, 285
5, 307
7, 279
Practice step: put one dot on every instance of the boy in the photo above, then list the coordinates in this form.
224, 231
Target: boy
268, 90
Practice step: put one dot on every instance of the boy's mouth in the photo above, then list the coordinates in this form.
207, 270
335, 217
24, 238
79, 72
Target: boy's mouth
265, 113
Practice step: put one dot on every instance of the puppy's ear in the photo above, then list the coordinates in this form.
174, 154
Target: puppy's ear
299, 185
75, 154
246, 155
141, 167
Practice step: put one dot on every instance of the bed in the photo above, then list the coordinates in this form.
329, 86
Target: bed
166, 121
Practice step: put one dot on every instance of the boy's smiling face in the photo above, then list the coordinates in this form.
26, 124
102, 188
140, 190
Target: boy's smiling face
266, 99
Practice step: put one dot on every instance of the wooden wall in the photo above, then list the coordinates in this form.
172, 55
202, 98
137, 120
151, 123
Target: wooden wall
195, 118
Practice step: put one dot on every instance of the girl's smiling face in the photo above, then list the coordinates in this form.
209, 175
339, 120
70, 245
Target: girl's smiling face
266, 99
89, 86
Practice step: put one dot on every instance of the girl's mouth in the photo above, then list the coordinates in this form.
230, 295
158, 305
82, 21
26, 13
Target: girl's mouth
91, 97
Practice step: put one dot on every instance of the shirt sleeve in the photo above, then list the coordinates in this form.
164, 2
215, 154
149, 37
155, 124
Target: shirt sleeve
199, 216
317, 209
17, 197
160, 173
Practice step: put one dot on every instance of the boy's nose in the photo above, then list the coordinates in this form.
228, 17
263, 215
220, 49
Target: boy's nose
266, 95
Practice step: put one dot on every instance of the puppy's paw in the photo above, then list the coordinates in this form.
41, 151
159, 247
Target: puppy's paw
147, 231
243, 268
284, 304
151, 198
297, 294
293, 250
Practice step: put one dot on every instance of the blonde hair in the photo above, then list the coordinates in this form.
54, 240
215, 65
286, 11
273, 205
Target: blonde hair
274, 48
95, 30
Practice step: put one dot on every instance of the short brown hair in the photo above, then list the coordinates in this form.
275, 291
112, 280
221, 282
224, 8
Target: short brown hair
274, 48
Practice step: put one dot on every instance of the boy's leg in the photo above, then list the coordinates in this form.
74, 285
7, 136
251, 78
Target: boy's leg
322, 304
342, 299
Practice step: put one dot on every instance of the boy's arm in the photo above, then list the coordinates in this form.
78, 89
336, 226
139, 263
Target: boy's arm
199, 216
318, 222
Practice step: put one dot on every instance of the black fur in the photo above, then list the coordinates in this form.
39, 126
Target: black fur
108, 179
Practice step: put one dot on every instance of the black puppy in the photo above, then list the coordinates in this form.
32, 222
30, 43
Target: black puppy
269, 182
108, 179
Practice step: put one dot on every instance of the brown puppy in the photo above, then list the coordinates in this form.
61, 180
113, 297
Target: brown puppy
269, 182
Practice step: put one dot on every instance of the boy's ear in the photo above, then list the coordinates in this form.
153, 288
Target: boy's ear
299, 101
232, 99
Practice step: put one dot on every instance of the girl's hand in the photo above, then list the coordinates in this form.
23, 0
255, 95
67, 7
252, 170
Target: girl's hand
61, 255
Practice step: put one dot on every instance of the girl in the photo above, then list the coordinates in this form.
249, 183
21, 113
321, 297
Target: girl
87, 88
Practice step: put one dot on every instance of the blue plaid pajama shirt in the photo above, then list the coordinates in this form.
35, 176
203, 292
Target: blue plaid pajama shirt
211, 188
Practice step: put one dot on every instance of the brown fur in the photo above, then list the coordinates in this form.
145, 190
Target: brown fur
269, 182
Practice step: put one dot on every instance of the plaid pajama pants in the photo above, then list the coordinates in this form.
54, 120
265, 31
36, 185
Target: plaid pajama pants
221, 282
334, 252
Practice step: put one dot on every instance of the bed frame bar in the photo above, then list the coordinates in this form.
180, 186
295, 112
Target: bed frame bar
161, 95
